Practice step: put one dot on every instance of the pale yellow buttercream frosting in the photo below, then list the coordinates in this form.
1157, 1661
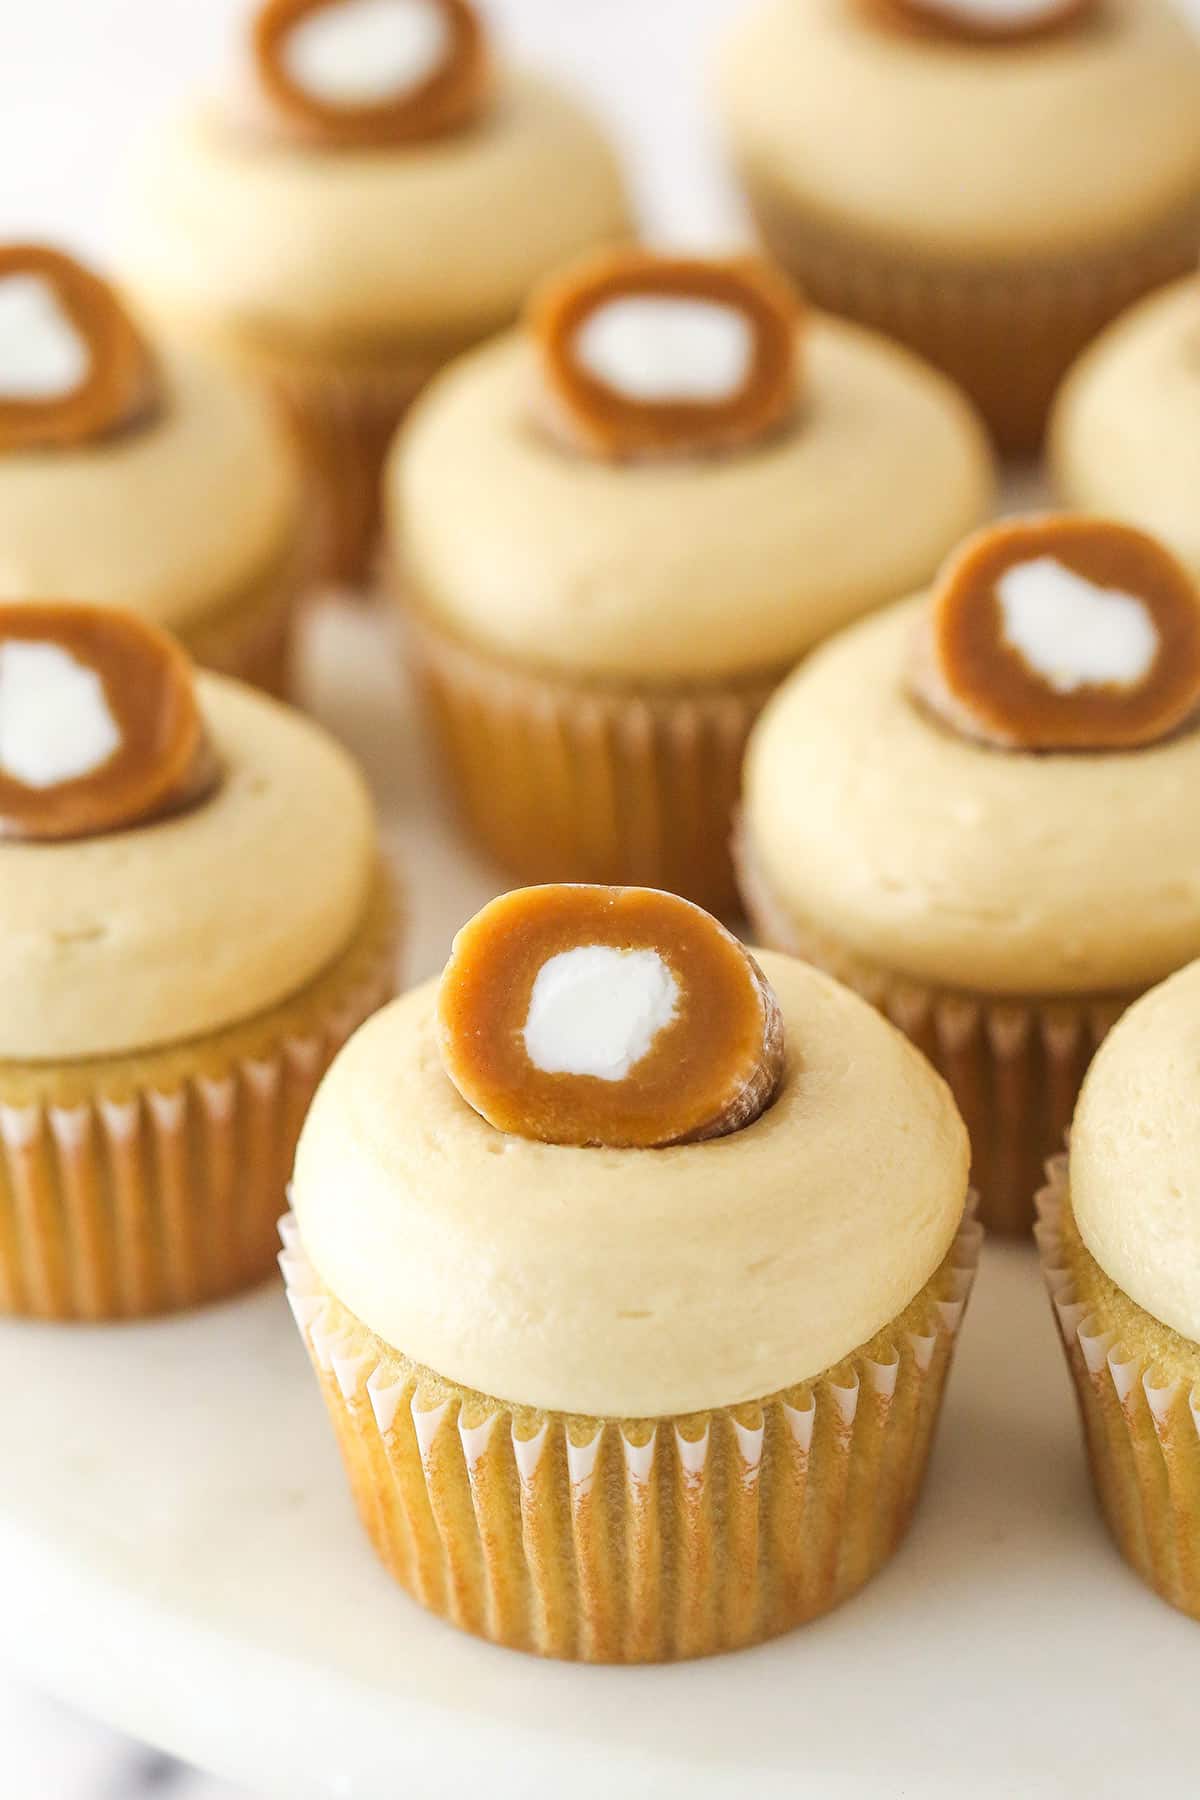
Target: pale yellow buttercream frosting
944, 147
1125, 434
961, 865
153, 935
692, 568
1135, 1154
366, 250
172, 519
634, 1283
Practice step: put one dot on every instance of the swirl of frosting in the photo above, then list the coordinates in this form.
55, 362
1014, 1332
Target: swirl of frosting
73, 366
99, 724
364, 74
985, 21
646, 355
1062, 633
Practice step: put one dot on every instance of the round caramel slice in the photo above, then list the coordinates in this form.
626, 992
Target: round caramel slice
989, 21
643, 355
371, 73
99, 726
612, 1016
72, 364
1063, 633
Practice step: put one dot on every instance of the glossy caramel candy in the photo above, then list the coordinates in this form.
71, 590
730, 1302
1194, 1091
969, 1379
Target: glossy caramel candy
1062, 633
983, 21
363, 74
99, 724
73, 366
608, 1016
642, 355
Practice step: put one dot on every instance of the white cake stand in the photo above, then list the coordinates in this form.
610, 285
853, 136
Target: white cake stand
178, 1552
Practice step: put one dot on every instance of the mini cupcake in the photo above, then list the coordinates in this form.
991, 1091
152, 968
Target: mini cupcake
991, 181
1125, 433
619, 530
1119, 1235
979, 810
369, 196
631, 1273
176, 971
140, 477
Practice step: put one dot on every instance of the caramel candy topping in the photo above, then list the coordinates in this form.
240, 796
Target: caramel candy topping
363, 74
608, 1016
72, 364
644, 355
99, 726
986, 21
1062, 633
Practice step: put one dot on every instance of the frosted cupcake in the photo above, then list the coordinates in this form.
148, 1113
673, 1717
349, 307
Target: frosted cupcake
978, 809
1120, 1243
174, 977
619, 529
991, 181
139, 476
631, 1353
371, 194
1124, 437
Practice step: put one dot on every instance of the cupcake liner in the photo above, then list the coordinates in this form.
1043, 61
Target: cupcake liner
1007, 333
562, 780
250, 637
1014, 1065
141, 1184
1138, 1387
620, 1540
344, 422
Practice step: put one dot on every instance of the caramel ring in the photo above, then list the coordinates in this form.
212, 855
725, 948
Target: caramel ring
607, 1016
945, 18
1062, 633
158, 758
448, 99
590, 413
121, 384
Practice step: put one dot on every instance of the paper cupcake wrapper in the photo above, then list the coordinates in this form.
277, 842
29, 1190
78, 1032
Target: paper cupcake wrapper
344, 423
635, 1540
138, 1185
563, 781
1015, 1066
250, 637
1007, 333
1138, 1386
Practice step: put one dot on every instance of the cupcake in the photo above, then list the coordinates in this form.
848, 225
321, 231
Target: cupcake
1119, 1235
619, 529
1124, 437
978, 808
989, 182
136, 475
371, 194
631, 1272
176, 972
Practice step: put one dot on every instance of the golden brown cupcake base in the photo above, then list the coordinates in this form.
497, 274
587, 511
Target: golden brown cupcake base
252, 636
1006, 335
1138, 1387
643, 1540
566, 781
1014, 1064
140, 1184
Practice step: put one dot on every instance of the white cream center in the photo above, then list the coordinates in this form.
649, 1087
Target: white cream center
55, 720
42, 356
659, 348
597, 1011
1073, 633
363, 52
995, 12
